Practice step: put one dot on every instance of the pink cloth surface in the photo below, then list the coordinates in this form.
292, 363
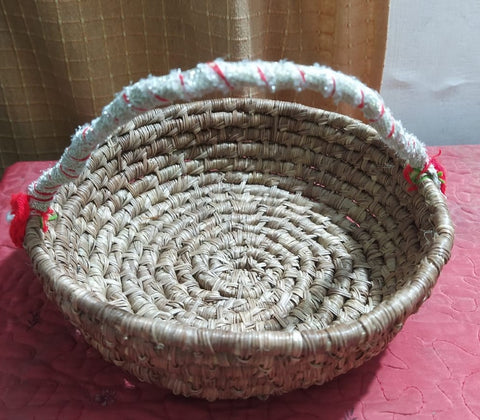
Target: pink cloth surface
431, 370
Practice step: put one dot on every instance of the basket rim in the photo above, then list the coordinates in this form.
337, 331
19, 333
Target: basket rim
387, 315
231, 103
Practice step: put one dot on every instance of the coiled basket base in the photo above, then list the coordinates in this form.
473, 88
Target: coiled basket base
239, 247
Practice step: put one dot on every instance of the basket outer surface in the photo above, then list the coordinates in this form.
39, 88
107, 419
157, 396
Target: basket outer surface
239, 247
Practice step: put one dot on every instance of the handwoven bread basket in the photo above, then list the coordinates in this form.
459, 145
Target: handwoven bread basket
239, 247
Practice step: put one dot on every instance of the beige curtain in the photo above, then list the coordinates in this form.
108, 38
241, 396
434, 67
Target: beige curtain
62, 61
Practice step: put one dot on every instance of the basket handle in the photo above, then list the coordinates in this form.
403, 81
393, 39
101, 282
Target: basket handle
219, 75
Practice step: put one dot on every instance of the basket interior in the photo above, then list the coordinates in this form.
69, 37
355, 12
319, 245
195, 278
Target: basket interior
241, 215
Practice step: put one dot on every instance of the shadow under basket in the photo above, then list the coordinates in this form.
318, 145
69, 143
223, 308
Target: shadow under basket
241, 247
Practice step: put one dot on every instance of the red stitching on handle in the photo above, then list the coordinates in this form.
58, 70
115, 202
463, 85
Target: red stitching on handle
412, 140
42, 200
63, 171
83, 159
84, 132
302, 74
80, 159
334, 89
158, 97
382, 112
392, 130
362, 103
46, 194
127, 101
53, 186
182, 83
216, 68
262, 76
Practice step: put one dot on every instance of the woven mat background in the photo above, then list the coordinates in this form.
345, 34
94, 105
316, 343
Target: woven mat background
62, 61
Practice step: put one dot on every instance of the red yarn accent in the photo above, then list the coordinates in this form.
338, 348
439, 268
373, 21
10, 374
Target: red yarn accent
362, 102
216, 68
49, 195
334, 87
392, 131
81, 159
126, 99
302, 74
442, 176
158, 97
21, 211
20, 204
84, 132
382, 113
41, 200
262, 76
45, 218
406, 174
417, 173
64, 172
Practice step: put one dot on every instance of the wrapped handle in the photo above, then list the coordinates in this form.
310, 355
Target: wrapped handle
219, 75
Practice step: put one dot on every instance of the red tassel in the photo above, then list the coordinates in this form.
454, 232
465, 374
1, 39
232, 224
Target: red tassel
21, 212
406, 174
413, 176
46, 216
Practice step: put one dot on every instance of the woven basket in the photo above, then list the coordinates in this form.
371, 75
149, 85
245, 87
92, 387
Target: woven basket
239, 247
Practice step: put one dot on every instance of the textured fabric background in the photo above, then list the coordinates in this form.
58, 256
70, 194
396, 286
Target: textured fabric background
63, 60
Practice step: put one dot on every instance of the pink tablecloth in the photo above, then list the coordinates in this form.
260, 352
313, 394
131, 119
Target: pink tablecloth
431, 370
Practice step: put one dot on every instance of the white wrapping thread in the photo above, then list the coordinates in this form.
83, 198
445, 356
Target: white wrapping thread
178, 86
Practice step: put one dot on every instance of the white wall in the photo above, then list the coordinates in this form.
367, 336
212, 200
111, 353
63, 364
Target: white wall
431, 78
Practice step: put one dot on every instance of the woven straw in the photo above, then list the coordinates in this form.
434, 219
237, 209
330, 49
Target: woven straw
238, 247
